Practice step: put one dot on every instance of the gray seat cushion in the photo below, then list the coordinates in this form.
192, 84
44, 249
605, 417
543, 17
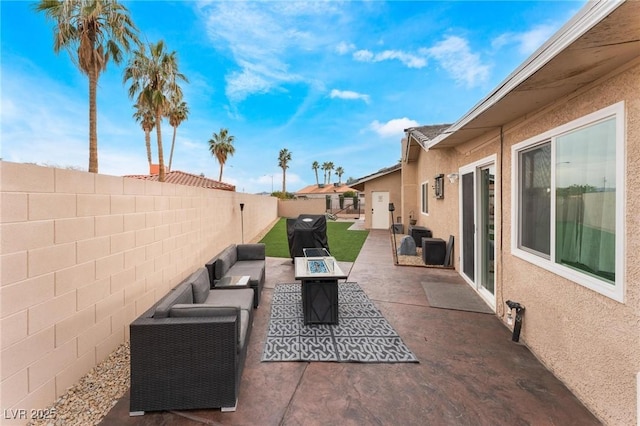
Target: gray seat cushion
240, 297
251, 251
225, 260
252, 268
200, 282
190, 310
183, 293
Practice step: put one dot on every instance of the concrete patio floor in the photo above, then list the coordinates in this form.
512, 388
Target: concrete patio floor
470, 372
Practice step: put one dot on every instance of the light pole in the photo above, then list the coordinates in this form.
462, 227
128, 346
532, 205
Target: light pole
271, 182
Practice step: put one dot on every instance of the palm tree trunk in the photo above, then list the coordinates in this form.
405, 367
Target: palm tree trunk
160, 152
173, 142
221, 167
147, 141
93, 122
317, 182
284, 181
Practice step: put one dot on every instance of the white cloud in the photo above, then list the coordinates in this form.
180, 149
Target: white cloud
363, 56
455, 56
408, 59
527, 42
393, 128
264, 39
349, 95
343, 47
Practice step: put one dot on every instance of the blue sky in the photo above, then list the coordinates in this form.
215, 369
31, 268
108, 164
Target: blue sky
328, 80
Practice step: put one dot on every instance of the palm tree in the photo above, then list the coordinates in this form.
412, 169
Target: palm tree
96, 31
283, 162
178, 112
221, 146
329, 168
339, 172
145, 117
315, 166
325, 167
155, 81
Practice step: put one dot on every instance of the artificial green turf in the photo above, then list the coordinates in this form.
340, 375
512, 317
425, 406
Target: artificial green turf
344, 245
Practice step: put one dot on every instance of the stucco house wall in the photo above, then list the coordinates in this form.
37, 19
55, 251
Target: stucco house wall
82, 255
390, 183
423, 171
590, 341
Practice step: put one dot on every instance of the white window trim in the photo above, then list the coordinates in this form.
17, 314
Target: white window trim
425, 194
617, 291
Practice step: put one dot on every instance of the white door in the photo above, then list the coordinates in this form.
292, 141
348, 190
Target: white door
380, 210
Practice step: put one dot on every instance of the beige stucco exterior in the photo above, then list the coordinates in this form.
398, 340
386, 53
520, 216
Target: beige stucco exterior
590, 341
82, 255
390, 182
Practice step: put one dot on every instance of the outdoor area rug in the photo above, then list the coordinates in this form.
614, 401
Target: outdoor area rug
459, 297
362, 334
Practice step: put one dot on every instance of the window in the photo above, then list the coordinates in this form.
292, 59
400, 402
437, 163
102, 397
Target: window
424, 196
535, 199
569, 201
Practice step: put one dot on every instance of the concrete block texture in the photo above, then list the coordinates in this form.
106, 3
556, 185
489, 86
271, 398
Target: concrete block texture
82, 255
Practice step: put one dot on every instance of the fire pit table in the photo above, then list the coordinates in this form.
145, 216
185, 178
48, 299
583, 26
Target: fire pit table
319, 276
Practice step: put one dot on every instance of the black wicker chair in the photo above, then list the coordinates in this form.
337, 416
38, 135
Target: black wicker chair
189, 362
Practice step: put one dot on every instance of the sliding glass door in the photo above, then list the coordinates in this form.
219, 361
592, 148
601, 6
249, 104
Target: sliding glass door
477, 213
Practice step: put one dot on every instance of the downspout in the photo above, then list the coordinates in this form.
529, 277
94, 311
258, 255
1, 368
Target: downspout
502, 224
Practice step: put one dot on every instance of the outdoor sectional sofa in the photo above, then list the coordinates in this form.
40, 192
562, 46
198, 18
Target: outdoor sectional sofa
240, 260
188, 350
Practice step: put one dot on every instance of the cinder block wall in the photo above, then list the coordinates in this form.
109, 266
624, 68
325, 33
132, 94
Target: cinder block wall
294, 208
83, 254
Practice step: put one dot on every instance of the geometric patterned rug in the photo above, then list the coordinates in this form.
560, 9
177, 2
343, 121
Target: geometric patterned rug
362, 334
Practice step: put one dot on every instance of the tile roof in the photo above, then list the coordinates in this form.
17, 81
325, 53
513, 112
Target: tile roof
382, 172
426, 133
182, 178
327, 189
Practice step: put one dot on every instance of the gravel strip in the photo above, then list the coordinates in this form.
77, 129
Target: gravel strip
88, 401
404, 260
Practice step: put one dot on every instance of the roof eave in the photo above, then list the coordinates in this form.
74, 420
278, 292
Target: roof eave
586, 18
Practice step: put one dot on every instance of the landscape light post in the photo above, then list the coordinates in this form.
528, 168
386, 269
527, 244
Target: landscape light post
242, 220
393, 231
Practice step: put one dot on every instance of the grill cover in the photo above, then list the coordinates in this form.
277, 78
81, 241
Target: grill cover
307, 231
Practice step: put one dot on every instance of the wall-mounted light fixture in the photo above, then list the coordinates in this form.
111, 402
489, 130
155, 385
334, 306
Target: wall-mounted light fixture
453, 177
438, 186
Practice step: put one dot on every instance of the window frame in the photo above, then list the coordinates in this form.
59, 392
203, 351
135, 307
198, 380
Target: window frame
615, 291
424, 198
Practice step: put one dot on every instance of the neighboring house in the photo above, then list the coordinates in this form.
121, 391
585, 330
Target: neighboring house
380, 189
333, 190
539, 184
182, 178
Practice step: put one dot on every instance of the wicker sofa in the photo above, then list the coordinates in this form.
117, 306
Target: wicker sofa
188, 350
239, 260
